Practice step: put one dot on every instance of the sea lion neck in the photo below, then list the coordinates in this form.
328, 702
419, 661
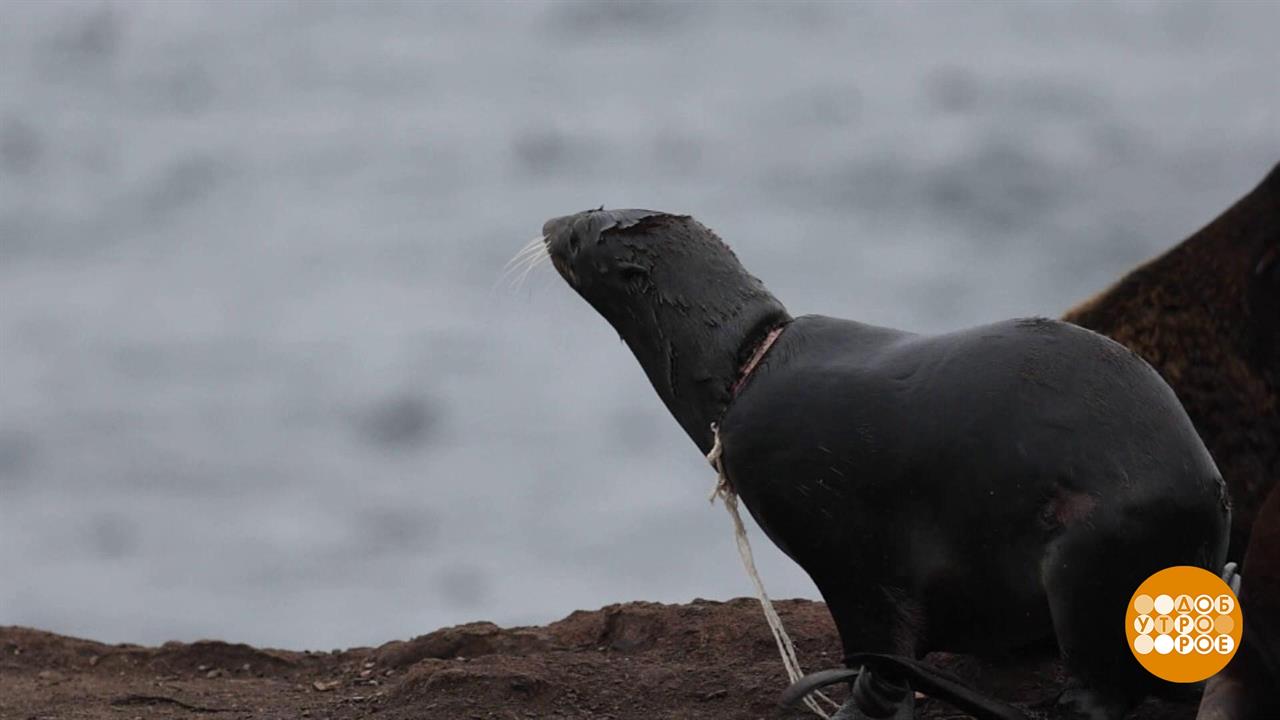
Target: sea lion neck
695, 365
679, 298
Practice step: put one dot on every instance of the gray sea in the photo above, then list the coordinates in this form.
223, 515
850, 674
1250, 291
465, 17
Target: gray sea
261, 379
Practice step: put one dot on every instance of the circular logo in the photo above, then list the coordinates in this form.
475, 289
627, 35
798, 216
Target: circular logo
1183, 624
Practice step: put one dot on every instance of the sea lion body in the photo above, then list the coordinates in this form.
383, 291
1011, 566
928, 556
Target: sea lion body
977, 490
958, 480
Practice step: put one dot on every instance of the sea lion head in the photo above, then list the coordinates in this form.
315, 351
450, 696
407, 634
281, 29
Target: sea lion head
677, 296
577, 246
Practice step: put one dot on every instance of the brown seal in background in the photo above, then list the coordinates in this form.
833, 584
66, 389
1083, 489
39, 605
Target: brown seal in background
1206, 315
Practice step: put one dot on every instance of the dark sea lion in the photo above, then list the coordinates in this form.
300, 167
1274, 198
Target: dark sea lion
1206, 315
975, 491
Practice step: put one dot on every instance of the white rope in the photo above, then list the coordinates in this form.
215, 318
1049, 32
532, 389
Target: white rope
724, 491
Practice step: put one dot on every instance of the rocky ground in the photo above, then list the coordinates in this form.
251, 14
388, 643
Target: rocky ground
623, 662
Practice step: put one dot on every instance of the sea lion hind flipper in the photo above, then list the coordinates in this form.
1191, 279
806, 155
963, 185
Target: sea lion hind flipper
940, 685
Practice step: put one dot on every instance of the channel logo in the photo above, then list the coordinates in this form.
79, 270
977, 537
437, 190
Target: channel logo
1183, 624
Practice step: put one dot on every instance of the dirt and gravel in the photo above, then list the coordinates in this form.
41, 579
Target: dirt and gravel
623, 662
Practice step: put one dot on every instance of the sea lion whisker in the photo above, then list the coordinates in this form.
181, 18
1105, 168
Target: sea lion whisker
525, 262
536, 254
529, 248
521, 271
519, 266
536, 262
507, 276
517, 263
528, 257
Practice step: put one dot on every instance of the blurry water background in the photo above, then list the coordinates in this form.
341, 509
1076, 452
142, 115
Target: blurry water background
257, 382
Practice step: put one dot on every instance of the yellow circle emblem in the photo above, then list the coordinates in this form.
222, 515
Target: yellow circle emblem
1183, 624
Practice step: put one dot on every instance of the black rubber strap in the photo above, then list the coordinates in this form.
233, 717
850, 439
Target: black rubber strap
925, 678
941, 685
814, 681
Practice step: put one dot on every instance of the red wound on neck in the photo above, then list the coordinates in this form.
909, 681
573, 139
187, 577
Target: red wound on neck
756, 357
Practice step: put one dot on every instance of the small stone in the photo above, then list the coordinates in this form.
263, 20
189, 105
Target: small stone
202, 668
369, 664
365, 673
215, 673
93, 661
322, 686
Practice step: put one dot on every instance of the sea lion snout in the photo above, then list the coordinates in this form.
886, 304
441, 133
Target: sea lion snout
562, 245
556, 231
